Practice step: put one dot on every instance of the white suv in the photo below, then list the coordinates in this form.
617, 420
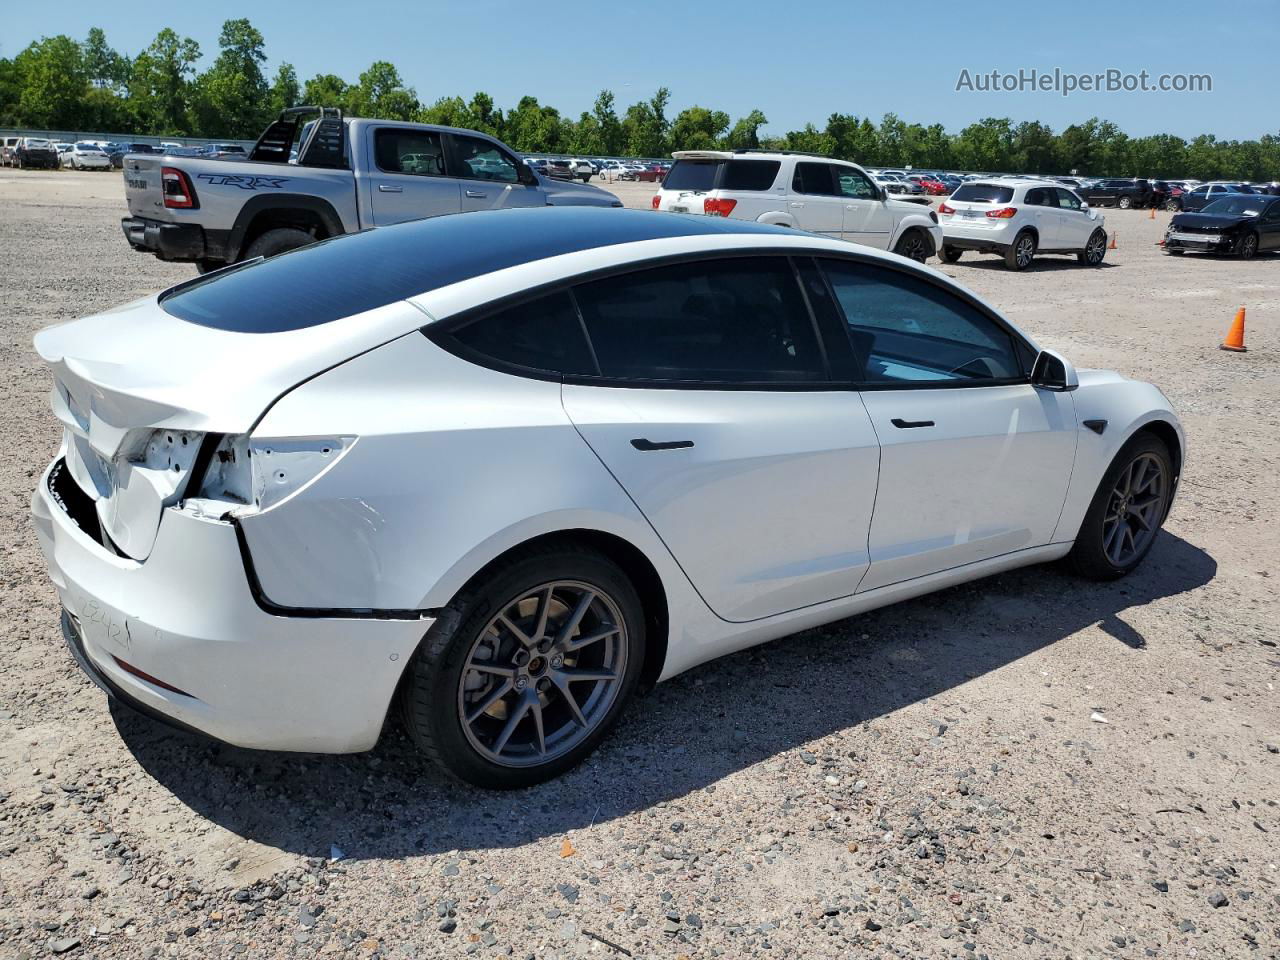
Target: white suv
829, 197
1018, 219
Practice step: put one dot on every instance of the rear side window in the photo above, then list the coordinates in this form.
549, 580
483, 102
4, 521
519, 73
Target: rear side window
814, 179
983, 193
418, 152
692, 175
542, 334
749, 174
738, 321
905, 330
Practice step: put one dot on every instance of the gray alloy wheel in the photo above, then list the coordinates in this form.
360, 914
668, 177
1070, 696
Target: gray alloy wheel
1095, 250
543, 674
1124, 203
1134, 510
1022, 251
1249, 246
912, 245
1172, 205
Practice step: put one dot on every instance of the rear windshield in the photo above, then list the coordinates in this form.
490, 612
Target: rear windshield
983, 193
692, 175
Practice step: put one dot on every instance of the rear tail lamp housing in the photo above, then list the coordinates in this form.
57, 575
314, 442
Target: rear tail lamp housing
178, 192
718, 207
1004, 213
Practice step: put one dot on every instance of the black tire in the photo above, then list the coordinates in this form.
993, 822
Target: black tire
1174, 253
430, 703
1021, 251
914, 245
1088, 557
1172, 205
1095, 250
279, 240
1248, 246
1124, 203
951, 254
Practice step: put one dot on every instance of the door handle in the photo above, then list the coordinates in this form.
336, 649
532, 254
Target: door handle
389, 188
476, 194
640, 443
797, 205
910, 424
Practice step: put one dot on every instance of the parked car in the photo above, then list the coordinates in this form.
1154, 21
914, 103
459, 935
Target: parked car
117, 155
582, 169
1242, 224
560, 170
87, 156
35, 152
834, 198
233, 150
1117, 192
1019, 219
351, 174
496, 501
62, 149
9, 151
1197, 199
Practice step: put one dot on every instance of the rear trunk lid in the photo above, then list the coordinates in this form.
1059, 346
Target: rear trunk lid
137, 389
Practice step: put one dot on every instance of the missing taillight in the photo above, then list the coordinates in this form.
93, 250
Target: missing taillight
177, 189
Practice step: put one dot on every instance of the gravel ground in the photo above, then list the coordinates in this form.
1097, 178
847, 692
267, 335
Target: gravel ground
930, 780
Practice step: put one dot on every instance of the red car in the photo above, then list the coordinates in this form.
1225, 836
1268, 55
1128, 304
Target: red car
934, 188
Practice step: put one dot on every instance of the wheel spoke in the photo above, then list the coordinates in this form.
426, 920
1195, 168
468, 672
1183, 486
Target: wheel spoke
513, 721
575, 675
496, 694
575, 618
505, 621
1142, 521
544, 608
482, 666
586, 639
536, 706
563, 686
1110, 536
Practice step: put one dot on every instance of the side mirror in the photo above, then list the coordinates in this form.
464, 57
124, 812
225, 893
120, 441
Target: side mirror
1053, 371
1084, 204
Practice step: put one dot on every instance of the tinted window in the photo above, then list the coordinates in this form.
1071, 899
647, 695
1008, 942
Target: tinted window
814, 178
543, 334
692, 175
728, 321
983, 193
905, 329
409, 151
748, 175
481, 160
1039, 197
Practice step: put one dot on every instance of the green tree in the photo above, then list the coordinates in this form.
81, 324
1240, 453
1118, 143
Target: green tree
382, 94
608, 129
105, 67
985, 145
745, 134
811, 140
533, 128
284, 89
1035, 148
697, 128
160, 84
52, 81
326, 90
231, 97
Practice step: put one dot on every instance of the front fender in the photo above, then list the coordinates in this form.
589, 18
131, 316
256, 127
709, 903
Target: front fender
1127, 406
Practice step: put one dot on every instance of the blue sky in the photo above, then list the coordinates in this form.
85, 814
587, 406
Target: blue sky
797, 62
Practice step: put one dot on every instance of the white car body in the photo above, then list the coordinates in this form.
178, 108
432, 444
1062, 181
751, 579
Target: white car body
87, 156
273, 599
862, 212
988, 225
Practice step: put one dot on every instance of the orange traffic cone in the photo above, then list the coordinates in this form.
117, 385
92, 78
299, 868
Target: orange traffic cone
1235, 336
1113, 242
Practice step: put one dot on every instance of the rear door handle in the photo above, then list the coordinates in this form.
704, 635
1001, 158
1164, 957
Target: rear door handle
389, 188
640, 443
910, 424
476, 194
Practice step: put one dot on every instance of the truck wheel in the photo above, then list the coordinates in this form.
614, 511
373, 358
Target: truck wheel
279, 240
1124, 203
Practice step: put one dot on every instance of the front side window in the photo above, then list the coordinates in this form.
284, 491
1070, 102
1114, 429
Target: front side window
908, 331
481, 160
739, 321
542, 334
1067, 200
853, 184
814, 179
419, 152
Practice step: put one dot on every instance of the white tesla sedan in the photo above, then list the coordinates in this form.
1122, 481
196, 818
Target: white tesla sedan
498, 470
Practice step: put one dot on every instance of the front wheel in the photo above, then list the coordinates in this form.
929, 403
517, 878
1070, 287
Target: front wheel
1248, 247
1172, 206
546, 650
1127, 510
1095, 250
913, 246
1124, 203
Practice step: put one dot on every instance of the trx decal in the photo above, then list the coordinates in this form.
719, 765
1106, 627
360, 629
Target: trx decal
242, 181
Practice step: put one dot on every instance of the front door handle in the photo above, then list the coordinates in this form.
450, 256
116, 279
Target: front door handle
640, 443
389, 188
910, 424
476, 194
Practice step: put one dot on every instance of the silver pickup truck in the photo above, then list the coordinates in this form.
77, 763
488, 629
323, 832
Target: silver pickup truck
346, 174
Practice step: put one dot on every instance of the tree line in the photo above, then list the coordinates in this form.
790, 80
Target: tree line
61, 83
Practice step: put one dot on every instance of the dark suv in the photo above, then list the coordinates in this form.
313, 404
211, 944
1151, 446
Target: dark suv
1122, 193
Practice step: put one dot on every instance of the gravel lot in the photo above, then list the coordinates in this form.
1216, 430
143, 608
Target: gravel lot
924, 781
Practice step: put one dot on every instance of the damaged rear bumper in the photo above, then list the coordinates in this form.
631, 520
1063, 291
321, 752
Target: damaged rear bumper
182, 636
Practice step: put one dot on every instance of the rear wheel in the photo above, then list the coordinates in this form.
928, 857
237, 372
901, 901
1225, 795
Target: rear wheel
951, 254
1172, 205
279, 240
1095, 250
546, 651
1021, 251
1127, 510
913, 245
